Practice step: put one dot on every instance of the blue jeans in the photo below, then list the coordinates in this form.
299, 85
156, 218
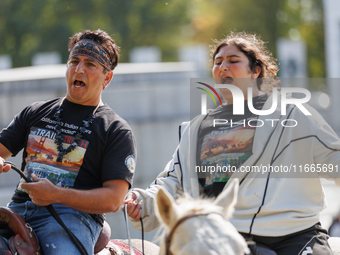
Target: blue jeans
52, 237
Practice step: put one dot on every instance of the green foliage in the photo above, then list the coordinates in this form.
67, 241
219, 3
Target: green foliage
271, 19
31, 26
306, 17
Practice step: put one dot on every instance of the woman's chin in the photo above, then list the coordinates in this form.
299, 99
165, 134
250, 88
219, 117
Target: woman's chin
224, 80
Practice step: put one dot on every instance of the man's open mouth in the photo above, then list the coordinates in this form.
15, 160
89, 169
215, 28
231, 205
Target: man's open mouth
78, 83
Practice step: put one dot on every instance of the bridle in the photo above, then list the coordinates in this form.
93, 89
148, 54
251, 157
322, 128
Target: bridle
179, 222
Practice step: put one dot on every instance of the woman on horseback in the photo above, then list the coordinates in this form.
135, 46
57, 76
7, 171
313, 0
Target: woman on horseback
278, 203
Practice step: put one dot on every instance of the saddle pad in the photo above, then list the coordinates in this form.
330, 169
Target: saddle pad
5, 253
125, 248
4, 249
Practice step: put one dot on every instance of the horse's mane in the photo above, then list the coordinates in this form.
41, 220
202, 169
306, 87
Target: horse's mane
190, 205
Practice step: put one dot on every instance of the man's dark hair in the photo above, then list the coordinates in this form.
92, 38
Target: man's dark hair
100, 37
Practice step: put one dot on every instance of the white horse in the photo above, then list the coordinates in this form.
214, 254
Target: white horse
202, 227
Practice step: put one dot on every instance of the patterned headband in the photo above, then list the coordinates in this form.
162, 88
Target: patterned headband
93, 50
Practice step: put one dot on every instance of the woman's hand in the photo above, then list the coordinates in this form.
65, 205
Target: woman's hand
134, 208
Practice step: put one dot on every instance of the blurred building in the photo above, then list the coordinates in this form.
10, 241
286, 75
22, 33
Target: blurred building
332, 44
292, 57
5, 62
332, 37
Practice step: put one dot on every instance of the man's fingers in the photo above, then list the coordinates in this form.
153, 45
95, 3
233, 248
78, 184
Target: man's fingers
27, 186
28, 191
5, 168
34, 177
2, 167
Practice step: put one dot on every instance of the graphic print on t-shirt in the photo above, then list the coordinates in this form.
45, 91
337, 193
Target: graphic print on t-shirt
226, 148
42, 153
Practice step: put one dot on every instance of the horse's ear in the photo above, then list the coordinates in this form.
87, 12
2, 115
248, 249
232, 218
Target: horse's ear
228, 197
167, 208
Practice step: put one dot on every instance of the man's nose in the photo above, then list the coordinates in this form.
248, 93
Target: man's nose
80, 67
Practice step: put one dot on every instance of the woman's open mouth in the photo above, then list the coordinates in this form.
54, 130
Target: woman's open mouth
226, 80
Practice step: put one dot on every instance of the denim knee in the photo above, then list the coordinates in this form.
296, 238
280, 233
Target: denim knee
52, 237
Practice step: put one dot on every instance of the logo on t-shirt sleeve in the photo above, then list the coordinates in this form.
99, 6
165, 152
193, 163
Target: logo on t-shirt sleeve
130, 163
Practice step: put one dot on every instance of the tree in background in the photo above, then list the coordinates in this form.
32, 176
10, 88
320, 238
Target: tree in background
292, 19
304, 19
31, 26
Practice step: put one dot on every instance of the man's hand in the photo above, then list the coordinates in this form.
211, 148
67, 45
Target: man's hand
3, 168
4, 154
134, 209
41, 191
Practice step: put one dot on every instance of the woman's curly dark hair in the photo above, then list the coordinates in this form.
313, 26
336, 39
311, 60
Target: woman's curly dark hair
257, 53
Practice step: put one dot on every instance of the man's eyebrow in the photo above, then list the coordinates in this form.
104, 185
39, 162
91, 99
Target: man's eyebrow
86, 59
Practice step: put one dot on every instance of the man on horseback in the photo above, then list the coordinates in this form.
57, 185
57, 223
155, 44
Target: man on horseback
84, 153
274, 208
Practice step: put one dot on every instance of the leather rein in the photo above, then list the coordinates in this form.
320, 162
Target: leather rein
179, 222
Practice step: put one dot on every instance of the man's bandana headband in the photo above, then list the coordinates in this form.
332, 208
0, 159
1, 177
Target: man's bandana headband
93, 50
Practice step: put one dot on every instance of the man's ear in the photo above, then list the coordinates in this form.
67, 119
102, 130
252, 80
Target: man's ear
108, 78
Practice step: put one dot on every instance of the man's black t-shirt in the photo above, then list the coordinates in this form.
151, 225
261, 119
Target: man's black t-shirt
225, 143
106, 150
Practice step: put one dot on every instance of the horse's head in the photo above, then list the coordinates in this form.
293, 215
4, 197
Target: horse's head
200, 226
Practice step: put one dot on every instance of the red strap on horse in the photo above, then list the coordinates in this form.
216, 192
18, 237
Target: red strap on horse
126, 248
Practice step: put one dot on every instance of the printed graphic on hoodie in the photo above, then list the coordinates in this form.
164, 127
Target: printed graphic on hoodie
226, 146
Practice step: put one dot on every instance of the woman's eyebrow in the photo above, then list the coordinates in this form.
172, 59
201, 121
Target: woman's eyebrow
231, 56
